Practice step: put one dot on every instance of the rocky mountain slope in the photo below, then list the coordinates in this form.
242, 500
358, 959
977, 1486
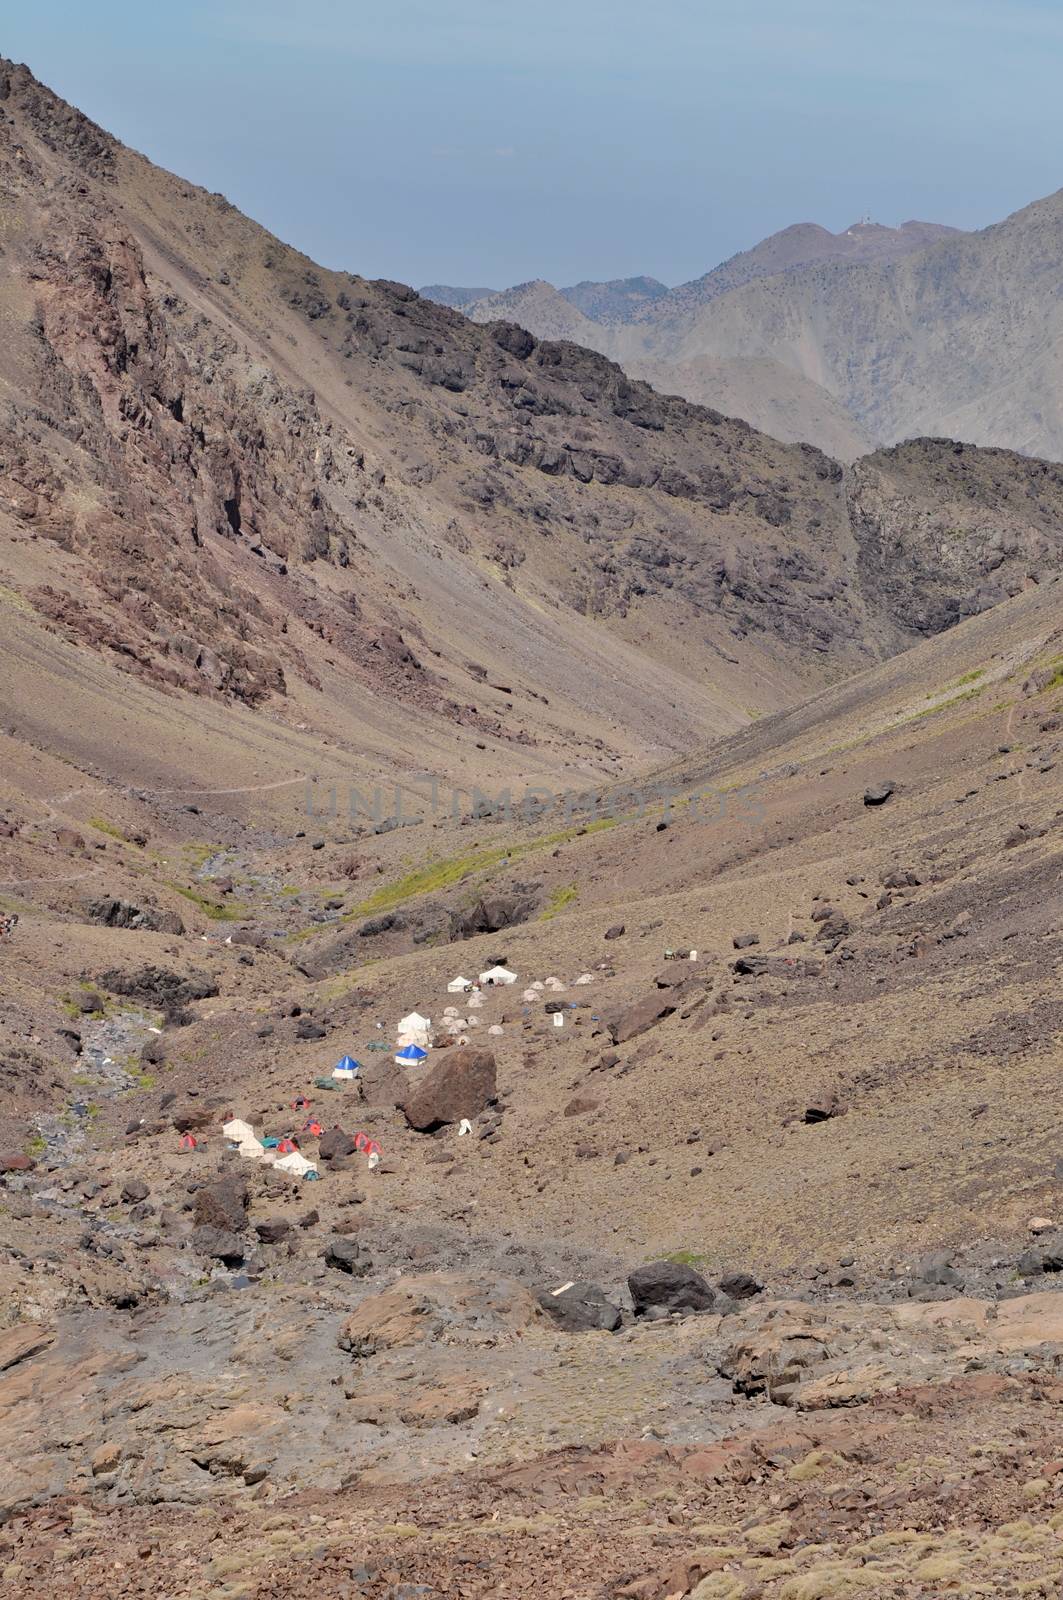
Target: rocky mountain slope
350, 647
280, 483
768, 394
953, 334
961, 338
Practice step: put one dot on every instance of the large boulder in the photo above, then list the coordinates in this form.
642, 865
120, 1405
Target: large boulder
641, 1016
581, 1307
665, 1286
335, 1143
222, 1205
218, 1245
461, 1083
345, 1256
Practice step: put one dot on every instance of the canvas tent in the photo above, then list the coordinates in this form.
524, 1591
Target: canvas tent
242, 1135
415, 1029
459, 985
495, 975
347, 1069
411, 1055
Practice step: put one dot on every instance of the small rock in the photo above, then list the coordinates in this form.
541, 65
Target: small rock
106, 1459
581, 1307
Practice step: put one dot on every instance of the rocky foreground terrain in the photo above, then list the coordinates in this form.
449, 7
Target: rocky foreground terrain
743, 1278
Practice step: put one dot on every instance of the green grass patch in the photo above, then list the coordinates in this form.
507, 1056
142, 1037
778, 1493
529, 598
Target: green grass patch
561, 897
145, 1080
430, 879
1056, 680
942, 705
687, 1258
210, 908
448, 871
103, 826
289, 889
35, 1146
968, 677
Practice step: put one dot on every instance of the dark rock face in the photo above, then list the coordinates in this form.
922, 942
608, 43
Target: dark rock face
307, 1028
461, 1084
218, 1245
743, 941
740, 1285
616, 931
490, 916
582, 1307
876, 794
166, 991
344, 1255
122, 914
777, 967
221, 1205
989, 524
134, 1190
822, 1107
937, 1269
273, 1230
666, 1286
335, 1144
641, 1016
189, 1119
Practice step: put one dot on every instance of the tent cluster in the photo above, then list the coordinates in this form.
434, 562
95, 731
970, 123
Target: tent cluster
284, 1154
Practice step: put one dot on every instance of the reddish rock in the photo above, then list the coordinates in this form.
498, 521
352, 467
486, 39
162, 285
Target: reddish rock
222, 1205
462, 1084
335, 1144
579, 1105
640, 1017
14, 1161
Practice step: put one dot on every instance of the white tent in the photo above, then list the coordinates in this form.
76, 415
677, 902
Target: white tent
459, 985
530, 996
237, 1130
415, 1029
556, 985
295, 1163
498, 975
243, 1136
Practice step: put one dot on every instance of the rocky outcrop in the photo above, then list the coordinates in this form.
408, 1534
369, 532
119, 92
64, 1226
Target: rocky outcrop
446, 1306
461, 1083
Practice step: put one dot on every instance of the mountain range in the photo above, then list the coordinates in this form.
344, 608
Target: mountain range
849, 340
354, 649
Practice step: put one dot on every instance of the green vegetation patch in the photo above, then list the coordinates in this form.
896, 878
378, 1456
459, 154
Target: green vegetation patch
103, 826
561, 897
211, 908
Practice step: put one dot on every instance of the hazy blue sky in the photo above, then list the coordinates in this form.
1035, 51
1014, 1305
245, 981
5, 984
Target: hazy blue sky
483, 141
